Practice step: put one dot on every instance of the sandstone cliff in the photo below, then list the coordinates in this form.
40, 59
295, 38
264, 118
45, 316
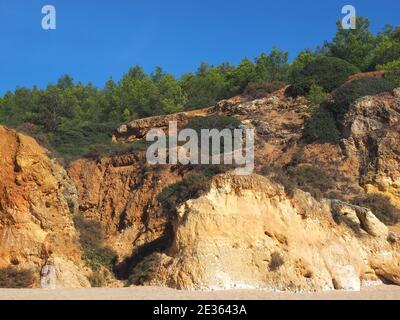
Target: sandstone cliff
37, 200
120, 192
247, 233
372, 143
283, 241
366, 159
250, 231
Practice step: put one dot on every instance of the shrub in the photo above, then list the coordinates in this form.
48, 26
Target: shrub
213, 122
91, 238
278, 175
143, 270
390, 66
100, 257
350, 92
74, 141
311, 179
306, 177
321, 127
191, 187
98, 279
329, 72
380, 205
90, 232
13, 278
276, 261
316, 96
299, 85
111, 149
326, 72
35, 132
262, 89
393, 77
211, 170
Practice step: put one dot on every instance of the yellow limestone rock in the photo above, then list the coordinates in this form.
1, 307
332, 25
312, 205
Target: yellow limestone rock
247, 233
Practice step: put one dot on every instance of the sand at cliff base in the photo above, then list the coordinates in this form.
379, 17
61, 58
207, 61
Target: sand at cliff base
384, 292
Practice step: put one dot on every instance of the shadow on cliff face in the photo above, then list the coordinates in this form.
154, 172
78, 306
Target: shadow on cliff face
381, 206
12, 277
97, 256
124, 269
196, 181
305, 176
191, 186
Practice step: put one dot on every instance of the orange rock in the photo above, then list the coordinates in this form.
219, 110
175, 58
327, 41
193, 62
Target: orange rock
37, 200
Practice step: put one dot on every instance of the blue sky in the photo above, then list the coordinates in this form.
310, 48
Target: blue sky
96, 40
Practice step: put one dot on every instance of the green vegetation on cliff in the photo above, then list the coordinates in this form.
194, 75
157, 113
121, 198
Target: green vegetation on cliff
99, 257
70, 117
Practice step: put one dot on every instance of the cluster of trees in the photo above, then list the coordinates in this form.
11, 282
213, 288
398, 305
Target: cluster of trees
328, 68
136, 95
71, 116
362, 49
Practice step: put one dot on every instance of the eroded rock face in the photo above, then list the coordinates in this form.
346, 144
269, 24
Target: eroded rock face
239, 233
247, 233
120, 192
37, 201
138, 129
372, 129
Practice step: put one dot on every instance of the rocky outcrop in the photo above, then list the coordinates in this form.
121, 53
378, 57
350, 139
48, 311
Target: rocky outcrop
371, 74
121, 193
37, 201
372, 135
137, 129
247, 233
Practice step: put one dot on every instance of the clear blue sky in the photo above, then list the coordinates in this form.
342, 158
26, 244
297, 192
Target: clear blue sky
95, 40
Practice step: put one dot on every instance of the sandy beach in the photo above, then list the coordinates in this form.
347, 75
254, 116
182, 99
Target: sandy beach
383, 292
